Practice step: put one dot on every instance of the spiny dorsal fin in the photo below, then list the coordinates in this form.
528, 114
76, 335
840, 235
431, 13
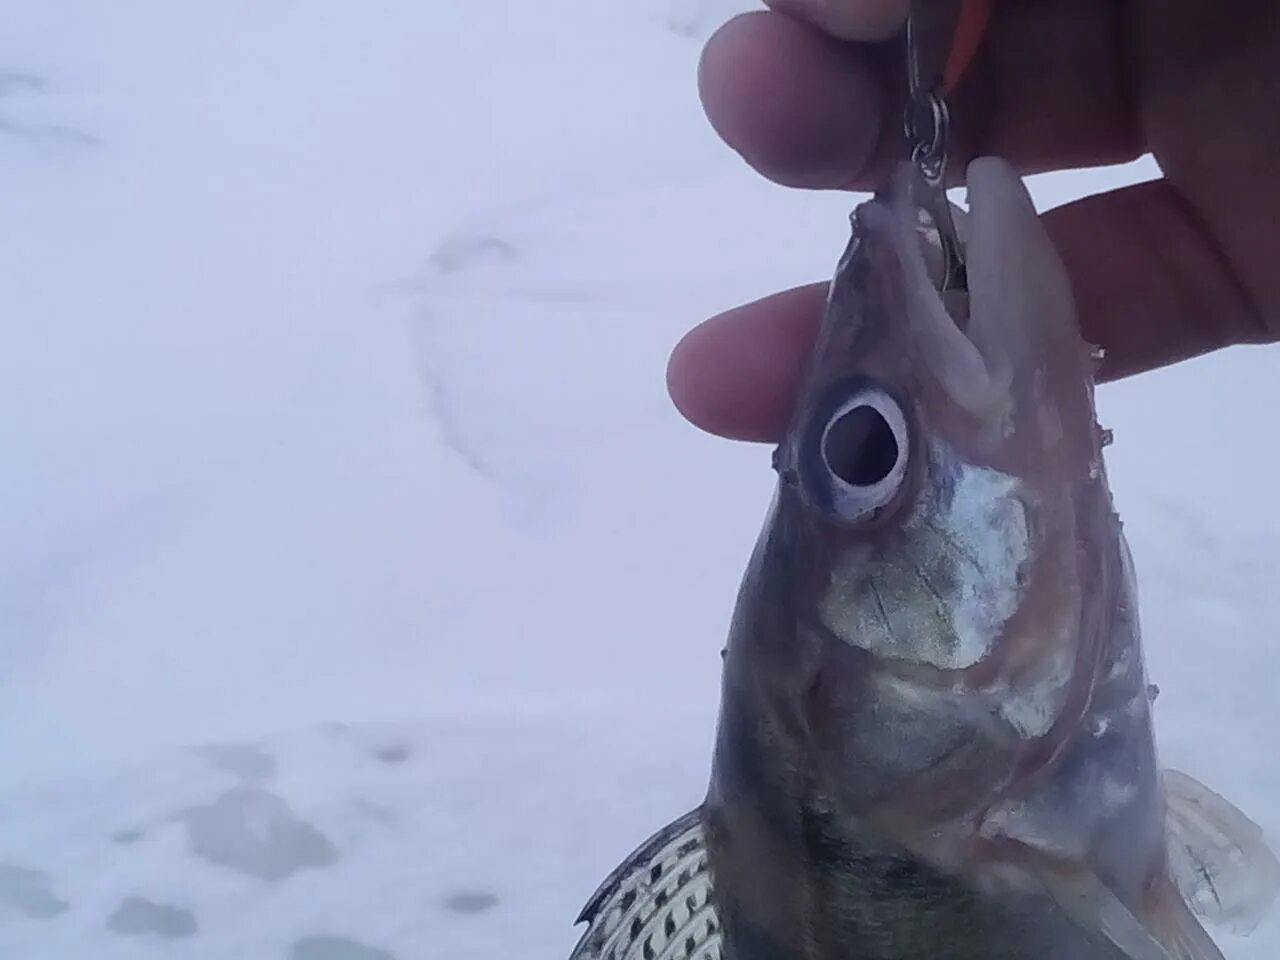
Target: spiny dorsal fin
1218, 858
656, 905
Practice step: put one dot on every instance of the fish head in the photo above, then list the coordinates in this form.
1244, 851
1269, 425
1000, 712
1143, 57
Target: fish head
921, 597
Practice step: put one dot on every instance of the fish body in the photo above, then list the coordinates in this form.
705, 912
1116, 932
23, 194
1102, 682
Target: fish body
935, 736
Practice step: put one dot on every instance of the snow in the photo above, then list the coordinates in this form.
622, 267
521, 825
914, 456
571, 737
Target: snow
335, 434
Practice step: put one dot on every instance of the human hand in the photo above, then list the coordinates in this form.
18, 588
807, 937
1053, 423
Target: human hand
1162, 271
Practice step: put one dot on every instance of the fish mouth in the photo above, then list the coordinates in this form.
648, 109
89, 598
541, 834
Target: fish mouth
970, 338
938, 332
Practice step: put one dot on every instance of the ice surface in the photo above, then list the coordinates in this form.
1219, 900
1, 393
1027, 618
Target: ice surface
331, 392
483, 840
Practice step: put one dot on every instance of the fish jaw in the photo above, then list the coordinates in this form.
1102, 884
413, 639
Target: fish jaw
1023, 319
981, 526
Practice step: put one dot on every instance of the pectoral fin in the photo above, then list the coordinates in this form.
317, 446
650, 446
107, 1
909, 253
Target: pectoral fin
1175, 926
1167, 931
1218, 857
1096, 910
657, 904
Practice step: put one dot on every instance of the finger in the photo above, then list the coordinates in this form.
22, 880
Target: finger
1046, 91
736, 375
866, 20
791, 100
1150, 286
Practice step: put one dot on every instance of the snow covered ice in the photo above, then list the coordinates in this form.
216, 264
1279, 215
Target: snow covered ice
361, 593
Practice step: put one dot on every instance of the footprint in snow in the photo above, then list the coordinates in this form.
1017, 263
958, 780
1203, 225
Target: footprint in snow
140, 917
252, 831
392, 754
470, 901
465, 251
30, 893
335, 948
127, 838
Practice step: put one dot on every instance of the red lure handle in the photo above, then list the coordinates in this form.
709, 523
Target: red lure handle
971, 27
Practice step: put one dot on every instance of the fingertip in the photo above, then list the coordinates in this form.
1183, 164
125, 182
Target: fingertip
736, 374
704, 387
799, 107
684, 385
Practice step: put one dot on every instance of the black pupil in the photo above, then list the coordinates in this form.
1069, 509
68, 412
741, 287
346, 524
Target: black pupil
860, 447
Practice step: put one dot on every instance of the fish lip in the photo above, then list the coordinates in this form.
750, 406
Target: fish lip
955, 358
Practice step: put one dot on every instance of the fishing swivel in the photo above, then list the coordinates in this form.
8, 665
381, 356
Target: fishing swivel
936, 53
927, 118
926, 125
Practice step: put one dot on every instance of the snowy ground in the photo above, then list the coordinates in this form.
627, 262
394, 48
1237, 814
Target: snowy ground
334, 434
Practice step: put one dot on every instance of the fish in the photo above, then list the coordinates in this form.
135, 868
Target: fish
936, 728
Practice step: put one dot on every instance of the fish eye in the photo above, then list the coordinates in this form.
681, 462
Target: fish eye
861, 454
860, 447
